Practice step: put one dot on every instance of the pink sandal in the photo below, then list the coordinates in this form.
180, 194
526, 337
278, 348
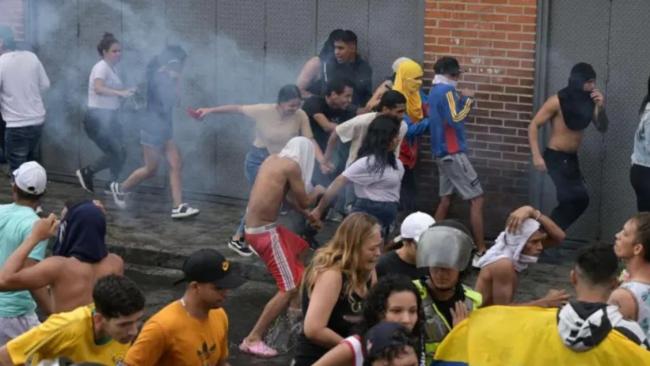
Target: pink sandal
259, 349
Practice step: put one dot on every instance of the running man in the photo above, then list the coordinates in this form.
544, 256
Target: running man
287, 174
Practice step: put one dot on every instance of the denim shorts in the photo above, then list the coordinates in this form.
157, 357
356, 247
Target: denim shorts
385, 212
156, 140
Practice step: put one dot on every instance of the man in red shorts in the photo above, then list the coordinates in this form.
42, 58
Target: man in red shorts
284, 175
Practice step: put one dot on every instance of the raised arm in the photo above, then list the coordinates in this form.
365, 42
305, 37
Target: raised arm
555, 234
600, 116
309, 72
13, 275
229, 108
545, 114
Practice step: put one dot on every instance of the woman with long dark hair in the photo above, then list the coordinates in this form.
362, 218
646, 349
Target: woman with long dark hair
393, 299
335, 284
163, 77
640, 170
105, 88
376, 175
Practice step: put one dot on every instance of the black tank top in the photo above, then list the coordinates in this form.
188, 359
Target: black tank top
346, 314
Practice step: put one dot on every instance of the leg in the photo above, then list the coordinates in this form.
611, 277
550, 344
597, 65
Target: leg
443, 208
17, 146
476, 221
151, 157
175, 166
445, 188
639, 176
117, 149
278, 304
34, 142
3, 127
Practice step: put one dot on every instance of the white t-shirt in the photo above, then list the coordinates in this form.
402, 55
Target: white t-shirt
374, 186
355, 130
22, 79
102, 70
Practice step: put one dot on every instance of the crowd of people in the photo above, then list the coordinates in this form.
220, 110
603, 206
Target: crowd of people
330, 148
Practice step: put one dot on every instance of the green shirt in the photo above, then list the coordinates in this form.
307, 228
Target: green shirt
16, 223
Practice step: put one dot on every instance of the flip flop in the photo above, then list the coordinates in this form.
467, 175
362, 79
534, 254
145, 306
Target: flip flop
259, 349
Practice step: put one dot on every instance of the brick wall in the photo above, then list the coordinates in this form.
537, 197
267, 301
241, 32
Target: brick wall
494, 41
12, 14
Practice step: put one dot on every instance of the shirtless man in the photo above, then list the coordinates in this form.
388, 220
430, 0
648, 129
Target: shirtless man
527, 233
80, 258
287, 174
570, 112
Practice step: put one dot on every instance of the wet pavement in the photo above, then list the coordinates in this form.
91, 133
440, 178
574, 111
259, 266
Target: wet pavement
154, 247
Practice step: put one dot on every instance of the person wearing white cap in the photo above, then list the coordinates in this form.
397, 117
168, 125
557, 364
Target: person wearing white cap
527, 233
17, 308
402, 260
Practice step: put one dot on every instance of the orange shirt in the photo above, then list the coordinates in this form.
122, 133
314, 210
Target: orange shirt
174, 337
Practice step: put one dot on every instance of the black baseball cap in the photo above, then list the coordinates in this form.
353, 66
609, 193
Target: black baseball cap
210, 266
385, 335
447, 65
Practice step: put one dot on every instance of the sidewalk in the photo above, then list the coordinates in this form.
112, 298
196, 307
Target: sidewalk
146, 235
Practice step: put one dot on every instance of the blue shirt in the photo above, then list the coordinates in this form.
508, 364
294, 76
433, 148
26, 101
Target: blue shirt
447, 114
16, 223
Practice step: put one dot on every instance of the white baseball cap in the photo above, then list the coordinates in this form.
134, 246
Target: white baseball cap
31, 178
414, 225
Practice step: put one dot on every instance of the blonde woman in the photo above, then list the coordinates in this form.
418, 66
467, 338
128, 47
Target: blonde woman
336, 284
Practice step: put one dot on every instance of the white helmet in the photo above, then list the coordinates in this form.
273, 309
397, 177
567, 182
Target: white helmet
445, 244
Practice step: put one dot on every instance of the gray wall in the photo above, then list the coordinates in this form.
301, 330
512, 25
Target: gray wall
611, 35
240, 51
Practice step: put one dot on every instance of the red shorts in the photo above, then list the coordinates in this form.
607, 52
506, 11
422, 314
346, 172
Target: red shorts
279, 248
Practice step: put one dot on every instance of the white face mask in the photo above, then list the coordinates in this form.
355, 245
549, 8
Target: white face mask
442, 79
527, 259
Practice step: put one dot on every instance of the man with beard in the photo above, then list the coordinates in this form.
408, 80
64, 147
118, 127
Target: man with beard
194, 329
570, 111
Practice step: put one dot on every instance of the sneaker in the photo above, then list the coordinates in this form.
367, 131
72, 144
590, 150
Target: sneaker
476, 258
85, 177
118, 195
240, 247
183, 211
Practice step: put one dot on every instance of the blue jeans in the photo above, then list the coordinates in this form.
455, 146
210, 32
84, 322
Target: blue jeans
385, 212
21, 144
254, 159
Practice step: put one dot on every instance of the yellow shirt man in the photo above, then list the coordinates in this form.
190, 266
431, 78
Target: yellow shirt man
68, 335
173, 337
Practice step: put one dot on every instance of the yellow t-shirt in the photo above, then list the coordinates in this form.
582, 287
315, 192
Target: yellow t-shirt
68, 335
272, 131
173, 337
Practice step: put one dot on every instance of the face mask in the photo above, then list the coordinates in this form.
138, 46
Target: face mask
527, 259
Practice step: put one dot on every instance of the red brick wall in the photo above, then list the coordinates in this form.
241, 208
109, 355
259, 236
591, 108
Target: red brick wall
494, 41
12, 14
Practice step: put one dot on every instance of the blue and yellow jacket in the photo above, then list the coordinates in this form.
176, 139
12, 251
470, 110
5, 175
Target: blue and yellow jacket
447, 114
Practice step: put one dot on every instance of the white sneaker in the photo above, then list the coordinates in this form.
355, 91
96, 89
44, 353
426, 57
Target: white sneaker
184, 210
118, 195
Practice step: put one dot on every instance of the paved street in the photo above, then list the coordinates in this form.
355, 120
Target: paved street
154, 245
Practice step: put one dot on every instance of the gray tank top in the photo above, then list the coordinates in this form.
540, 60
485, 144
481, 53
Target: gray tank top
641, 293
